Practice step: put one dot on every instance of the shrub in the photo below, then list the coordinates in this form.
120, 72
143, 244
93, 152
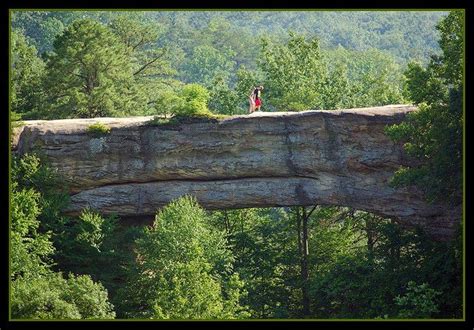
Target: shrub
52, 296
98, 129
191, 100
195, 99
418, 302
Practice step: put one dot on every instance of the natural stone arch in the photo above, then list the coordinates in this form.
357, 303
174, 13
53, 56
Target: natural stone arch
338, 157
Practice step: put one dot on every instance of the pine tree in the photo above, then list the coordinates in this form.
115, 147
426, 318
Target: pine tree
89, 74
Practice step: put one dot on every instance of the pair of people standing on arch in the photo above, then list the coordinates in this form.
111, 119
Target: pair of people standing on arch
255, 99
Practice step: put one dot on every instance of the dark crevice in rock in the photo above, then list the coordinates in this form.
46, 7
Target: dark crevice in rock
209, 180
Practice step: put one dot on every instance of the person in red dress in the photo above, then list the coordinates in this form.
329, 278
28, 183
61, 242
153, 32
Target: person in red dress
256, 99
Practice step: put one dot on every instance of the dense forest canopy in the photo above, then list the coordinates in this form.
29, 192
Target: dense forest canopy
300, 262
407, 35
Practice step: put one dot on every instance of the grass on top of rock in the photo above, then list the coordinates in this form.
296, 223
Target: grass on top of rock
98, 129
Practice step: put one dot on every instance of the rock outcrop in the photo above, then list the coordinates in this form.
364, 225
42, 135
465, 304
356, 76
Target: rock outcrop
339, 157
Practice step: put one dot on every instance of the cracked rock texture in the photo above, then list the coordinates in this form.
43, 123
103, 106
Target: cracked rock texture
339, 157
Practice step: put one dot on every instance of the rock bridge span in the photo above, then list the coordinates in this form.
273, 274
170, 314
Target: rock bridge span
337, 157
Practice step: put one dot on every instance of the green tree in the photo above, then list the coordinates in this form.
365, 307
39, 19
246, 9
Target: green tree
89, 73
452, 45
222, 98
340, 286
41, 27
433, 134
151, 65
337, 92
89, 244
206, 62
30, 172
422, 86
183, 269
235, 41
362, 78
294, 73
27, 74
265, 251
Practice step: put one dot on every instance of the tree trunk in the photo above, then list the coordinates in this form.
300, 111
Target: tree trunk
304, 263
302, 229
369, 229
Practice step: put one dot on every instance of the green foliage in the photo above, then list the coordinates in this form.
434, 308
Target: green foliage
433, 134
191, 100
90, 298
53, 297
89, 74
362, 79
418, 302
358, 280
294, 73
195, 99
337, 90
29, 171
207, 62
40, 27
42, 298
30, 249
84, 240
422, 86
151, 65
300, 76
452, 44
351, 276
27, 71
15, 122
140, 39
97, 246
337, 253
127, 69
183, 269
405, 34
91, 229
135, 34
264, 246
37, 291
98, 129
223, 99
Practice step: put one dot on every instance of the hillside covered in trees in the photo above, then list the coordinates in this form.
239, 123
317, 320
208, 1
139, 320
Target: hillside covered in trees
319, 262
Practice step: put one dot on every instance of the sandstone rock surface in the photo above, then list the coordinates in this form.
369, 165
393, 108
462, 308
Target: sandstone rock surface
339, 157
